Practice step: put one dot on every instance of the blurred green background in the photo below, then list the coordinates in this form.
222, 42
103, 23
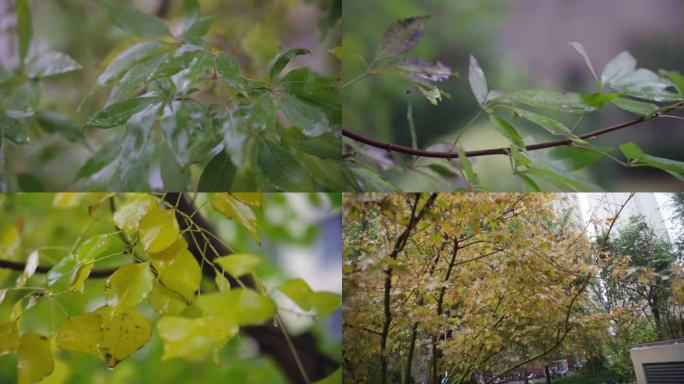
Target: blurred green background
300, 237
253, 31
520, 44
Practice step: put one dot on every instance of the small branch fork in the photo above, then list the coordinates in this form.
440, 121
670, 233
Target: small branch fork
504, 151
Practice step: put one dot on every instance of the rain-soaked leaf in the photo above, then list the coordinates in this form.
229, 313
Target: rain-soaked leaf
34, 358
127, 216
194, 339
158, 229
164, 301
284, 58
236, 210
81, 333
180, 273
478, 81
128, 286
122, 334
51, 64
92, 248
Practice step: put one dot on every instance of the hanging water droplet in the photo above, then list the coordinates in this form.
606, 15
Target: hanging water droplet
275, 323
110, 369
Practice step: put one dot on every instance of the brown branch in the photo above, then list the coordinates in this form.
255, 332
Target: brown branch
500, 151
19, 266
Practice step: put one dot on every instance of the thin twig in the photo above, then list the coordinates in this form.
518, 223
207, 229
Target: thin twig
503, 151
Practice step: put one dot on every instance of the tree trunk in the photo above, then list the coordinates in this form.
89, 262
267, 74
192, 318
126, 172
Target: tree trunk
548, 374
409, 357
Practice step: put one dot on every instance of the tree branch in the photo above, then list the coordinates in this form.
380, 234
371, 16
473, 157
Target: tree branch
501, 151
19, 266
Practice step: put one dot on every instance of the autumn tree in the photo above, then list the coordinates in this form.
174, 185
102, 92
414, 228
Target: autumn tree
484, 284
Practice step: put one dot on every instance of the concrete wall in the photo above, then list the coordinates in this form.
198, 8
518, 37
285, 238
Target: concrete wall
663, 352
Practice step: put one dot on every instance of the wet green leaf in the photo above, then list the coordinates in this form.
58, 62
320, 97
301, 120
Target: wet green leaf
311, 120
13, 129
124, 61
164, 301
478, 81
133, 21
119, 113
62, 275
196, 31
218, 175
24, 27
51, 64
507, 130
636, 107
284, 58
280, 168
92, 248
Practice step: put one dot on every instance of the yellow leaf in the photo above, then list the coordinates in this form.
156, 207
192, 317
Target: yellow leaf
34, 360
299, 291
236, 210
221, 282
164, 301
172, 250
122, 334
253, 199
67, 200
325, 303
128, 216
240, 305
59, 375
81, 333
128, 286
181, 273
81, 277
239, 264
158, 230
9, 338
194, 338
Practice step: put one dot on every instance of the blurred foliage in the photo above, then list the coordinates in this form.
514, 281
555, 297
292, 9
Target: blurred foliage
54, 227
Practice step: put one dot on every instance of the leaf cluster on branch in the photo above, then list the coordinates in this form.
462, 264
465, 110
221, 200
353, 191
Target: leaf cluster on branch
171, 262
642, 92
